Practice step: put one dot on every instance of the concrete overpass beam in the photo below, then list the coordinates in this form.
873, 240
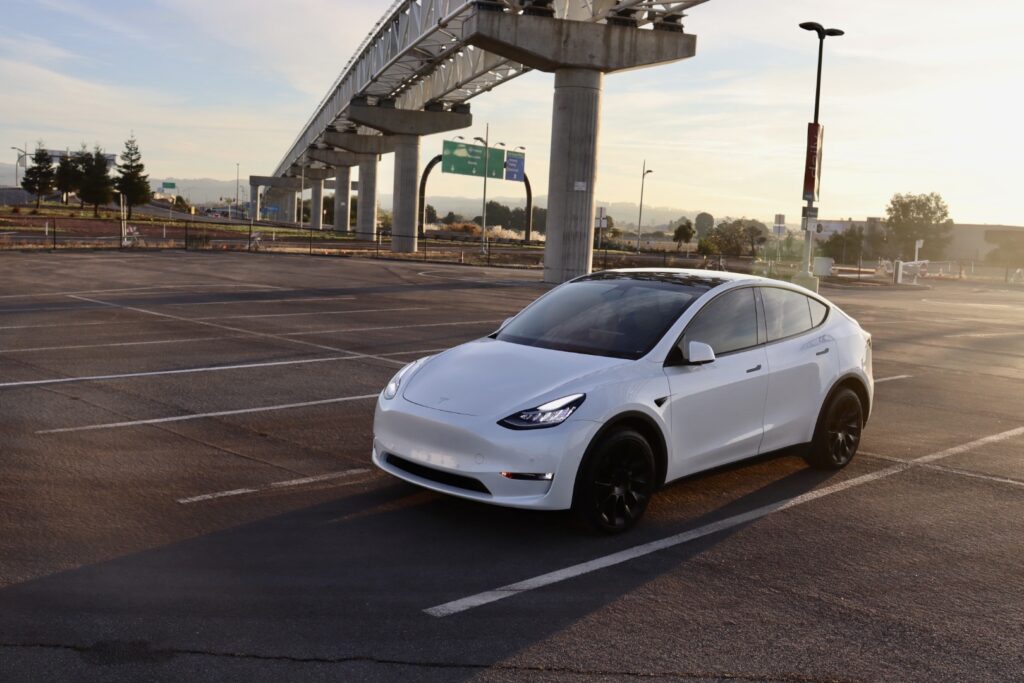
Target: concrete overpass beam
359, 144
405, 127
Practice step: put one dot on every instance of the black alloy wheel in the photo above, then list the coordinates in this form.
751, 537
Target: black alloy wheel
839, 431
616, 482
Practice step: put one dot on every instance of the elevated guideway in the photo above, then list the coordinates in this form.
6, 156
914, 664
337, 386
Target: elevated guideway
424, 61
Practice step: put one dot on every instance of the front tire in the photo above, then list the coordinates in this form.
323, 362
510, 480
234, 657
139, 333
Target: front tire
616, 482
838, 433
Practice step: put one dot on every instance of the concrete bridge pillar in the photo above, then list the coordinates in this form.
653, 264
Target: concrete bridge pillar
579, 53
366, 211
316, 205
254, 202
572, 174
406, 197
342, 194
404, 128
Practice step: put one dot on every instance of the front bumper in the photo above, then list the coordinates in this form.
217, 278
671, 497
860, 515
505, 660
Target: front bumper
440, 450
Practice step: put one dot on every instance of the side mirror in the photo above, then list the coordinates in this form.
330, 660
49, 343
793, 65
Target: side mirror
699, 353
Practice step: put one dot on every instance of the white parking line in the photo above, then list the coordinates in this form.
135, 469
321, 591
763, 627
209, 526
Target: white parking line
211, 496
291, 315
184, 340
275, 485
212, 285
985, 335
263, 301
487, 597
891, 379
390, 327
265, 335
200, 416
211, 368
285, 336
952, 470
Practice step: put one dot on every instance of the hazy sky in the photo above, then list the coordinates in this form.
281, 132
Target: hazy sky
919, 96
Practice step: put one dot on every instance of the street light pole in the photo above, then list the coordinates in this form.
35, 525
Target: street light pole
236, 186
805, 276
486, 140
640, 218
22, 154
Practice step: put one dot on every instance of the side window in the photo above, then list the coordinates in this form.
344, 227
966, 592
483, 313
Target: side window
786, 313
728, 323
818, 311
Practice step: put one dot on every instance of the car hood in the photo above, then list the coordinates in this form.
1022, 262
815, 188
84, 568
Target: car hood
496, 377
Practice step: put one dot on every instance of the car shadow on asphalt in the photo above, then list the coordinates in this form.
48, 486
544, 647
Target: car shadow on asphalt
348, 581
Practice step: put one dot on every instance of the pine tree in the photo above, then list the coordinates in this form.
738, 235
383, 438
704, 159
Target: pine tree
38, 178
68, 176
81, 160
97, 185
132, 182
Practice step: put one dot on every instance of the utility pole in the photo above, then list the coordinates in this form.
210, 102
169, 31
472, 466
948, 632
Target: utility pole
236, 186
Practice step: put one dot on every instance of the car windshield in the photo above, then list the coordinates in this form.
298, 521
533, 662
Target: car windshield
616, 314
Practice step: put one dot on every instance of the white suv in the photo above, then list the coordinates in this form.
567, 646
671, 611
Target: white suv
611, 385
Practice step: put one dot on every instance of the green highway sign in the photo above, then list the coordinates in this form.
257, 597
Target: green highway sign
169, 185
466, 159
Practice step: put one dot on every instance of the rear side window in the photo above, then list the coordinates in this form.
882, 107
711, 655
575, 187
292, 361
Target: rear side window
786, 313
818, 311
728, 323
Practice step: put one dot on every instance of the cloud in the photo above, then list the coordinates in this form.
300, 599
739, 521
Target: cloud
184, 138
33, 49
306, 41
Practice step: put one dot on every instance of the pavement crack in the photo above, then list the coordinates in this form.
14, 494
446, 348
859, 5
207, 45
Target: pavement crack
112, 653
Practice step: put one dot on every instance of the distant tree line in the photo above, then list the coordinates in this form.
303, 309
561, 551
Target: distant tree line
87, 174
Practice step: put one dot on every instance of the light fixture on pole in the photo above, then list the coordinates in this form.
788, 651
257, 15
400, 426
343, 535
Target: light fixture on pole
812, 169
22, 157
640, 218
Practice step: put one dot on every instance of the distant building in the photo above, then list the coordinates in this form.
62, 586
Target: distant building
970, 241
831, 227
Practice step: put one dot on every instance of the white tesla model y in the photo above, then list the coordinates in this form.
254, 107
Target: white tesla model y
611, 385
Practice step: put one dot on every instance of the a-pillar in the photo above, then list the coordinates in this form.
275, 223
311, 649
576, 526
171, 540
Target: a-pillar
316, 205
406, 197
254, 202
342, 193
572, 173
366, 213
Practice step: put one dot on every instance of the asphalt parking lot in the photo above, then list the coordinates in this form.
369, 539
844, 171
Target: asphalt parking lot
186, 493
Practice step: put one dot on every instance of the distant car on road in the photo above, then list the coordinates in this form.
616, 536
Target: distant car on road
611, 385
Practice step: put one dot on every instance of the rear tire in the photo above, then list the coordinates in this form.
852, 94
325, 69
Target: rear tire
838, 433
615, 482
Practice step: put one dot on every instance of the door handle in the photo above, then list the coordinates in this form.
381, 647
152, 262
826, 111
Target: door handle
755, 368
822, 352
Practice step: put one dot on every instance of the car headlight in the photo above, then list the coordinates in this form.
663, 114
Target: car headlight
550, 414
391, 390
